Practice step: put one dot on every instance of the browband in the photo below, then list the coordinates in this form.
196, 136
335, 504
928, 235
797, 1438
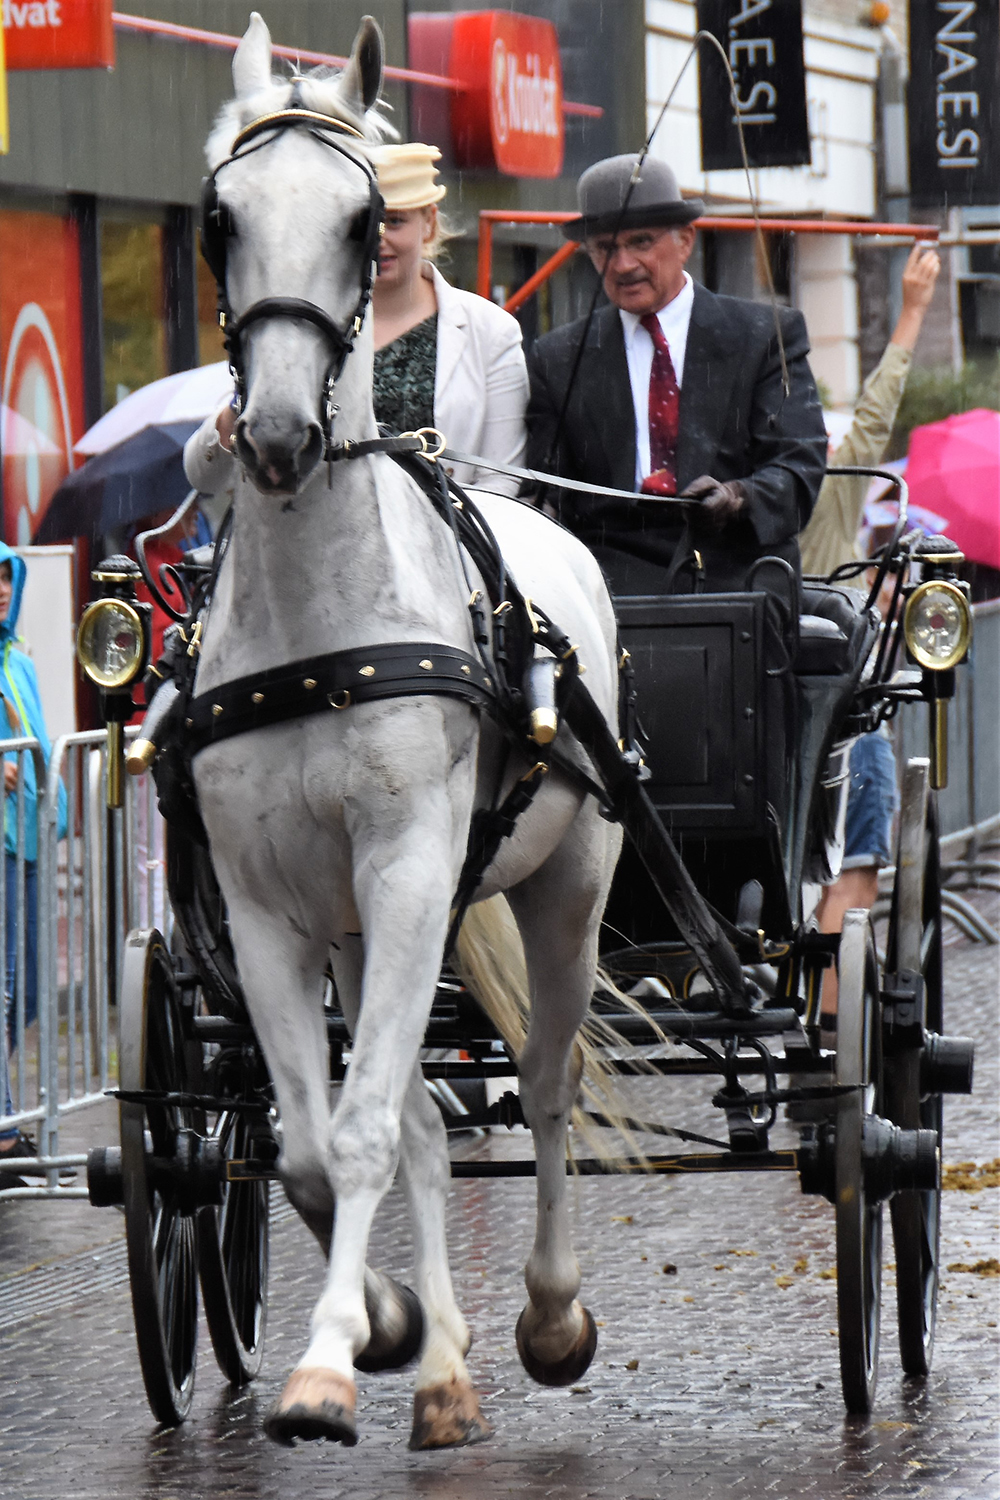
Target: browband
285, 117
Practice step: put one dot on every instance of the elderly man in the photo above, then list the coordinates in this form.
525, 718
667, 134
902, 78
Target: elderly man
677, 391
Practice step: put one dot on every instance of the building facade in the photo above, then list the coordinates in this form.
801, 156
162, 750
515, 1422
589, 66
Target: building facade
848, 289
101, 286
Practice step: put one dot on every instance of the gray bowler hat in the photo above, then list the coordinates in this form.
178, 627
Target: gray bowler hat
654, 200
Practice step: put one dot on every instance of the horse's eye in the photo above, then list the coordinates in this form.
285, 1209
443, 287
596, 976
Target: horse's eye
359, 225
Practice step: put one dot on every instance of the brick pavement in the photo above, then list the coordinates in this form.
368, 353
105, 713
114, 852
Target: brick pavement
736, 1389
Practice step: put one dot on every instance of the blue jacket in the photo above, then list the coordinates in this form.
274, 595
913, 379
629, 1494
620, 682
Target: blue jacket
19, 687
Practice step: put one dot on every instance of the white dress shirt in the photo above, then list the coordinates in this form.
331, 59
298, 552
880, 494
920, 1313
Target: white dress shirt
674, 320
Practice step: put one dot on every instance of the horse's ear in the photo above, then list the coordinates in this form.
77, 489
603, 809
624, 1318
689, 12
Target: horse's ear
361, 80
252, 59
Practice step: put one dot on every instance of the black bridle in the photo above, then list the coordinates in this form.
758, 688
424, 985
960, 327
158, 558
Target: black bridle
217, 228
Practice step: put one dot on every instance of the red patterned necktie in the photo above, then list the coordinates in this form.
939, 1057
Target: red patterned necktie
664, 407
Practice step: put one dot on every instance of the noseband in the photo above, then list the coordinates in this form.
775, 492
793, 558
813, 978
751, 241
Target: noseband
217, 227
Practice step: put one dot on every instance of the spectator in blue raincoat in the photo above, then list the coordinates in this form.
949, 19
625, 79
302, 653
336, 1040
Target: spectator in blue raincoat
22, 705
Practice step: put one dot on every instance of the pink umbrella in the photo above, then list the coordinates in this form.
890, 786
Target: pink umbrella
954, 471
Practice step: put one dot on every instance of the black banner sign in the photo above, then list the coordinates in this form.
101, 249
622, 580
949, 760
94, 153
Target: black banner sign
763, 41
954, 102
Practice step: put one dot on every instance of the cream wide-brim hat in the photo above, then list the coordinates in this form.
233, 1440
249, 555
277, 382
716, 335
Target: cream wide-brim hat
406, 176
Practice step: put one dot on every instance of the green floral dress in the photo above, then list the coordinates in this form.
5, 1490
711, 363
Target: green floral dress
403, 389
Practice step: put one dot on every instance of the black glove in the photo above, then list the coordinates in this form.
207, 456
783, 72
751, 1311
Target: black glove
719, 500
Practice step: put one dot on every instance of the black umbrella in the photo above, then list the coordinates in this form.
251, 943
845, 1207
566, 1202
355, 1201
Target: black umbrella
124, 485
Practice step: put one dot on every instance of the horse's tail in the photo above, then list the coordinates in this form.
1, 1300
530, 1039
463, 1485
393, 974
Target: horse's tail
489, 959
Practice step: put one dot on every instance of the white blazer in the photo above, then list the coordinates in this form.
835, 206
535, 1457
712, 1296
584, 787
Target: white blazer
480, 395
481, 384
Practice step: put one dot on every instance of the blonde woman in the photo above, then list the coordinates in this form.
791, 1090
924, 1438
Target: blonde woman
444, 358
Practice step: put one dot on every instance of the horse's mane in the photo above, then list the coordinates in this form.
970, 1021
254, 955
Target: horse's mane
319, 90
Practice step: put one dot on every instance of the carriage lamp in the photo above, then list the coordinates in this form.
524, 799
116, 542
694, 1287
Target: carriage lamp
112, 647
937, 625
937, 628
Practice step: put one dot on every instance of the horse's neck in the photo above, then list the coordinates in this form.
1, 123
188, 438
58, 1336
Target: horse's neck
354, 562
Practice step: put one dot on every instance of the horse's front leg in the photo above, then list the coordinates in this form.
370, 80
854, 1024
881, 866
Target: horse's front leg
558, 911
446, 1409
403, 892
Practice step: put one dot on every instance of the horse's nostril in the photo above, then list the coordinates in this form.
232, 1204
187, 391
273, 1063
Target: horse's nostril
246, 446
312, 449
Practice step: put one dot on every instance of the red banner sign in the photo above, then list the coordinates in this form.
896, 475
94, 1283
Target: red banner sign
509, 116
58, 34
41, 414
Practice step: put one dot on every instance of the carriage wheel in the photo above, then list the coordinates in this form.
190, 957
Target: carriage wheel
233, 1259
858, 1217
915, 943
161, 1238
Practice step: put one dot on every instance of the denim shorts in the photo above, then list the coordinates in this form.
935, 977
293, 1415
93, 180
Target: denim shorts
872, 801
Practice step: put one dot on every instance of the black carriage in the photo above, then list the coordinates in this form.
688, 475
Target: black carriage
733, 827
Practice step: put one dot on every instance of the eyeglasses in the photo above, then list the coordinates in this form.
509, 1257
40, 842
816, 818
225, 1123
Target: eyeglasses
639, 242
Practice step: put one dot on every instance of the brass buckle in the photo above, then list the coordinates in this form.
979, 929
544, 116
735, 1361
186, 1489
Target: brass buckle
425, 434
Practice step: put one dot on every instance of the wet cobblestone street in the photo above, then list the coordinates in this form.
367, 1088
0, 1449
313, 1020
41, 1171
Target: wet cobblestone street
720, 1378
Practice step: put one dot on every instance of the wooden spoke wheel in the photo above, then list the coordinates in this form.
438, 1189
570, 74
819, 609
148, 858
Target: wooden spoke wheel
914, 943
161, 1234
858, 1217
233, 1258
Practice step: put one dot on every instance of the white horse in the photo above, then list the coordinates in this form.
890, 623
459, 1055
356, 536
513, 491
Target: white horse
344, 833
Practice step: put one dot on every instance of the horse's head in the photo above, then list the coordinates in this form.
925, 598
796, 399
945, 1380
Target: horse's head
290, 229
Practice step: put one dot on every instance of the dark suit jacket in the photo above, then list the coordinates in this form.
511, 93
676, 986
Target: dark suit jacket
735, 423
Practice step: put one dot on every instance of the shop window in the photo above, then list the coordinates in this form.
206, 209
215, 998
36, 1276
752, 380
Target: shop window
41, 359
135, 333
210, 342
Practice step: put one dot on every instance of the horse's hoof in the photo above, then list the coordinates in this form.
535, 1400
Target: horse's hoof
397, 1329
565, 1371
447, 1416
315, 1405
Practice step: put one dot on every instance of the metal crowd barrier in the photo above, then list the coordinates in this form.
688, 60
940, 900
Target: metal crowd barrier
105, 876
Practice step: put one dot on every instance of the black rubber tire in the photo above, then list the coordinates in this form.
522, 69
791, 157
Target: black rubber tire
858, 1219
915, 942
162, 1241
233, 1242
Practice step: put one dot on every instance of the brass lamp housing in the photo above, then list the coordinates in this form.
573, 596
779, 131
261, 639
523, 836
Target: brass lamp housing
927, 659
99, 613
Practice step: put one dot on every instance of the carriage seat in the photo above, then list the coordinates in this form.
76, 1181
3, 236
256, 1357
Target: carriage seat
834, 630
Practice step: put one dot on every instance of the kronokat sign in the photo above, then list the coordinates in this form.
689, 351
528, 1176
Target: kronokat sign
954, 102
58, 34
509, 116
763, 41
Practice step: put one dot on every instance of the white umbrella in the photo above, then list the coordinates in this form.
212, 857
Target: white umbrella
189, 396
18, 436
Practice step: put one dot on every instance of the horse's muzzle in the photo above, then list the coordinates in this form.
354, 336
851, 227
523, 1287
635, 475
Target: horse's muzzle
279, 461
